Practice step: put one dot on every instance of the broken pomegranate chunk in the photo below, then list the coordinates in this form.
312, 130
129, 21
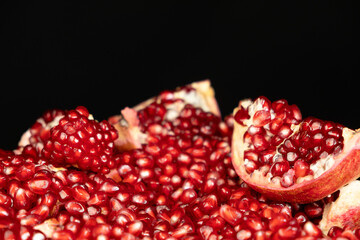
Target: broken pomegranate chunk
290, 159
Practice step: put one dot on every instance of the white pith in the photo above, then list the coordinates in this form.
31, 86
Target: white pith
189, 97
345, 210
318, 167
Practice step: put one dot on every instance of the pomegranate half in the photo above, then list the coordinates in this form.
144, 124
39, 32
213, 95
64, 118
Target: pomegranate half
289, 159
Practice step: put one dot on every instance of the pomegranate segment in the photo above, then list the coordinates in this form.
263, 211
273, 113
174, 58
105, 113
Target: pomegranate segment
166, 106
172, 177
290, 159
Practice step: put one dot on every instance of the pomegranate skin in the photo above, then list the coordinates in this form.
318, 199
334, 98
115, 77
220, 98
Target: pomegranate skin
344, 212
345, 169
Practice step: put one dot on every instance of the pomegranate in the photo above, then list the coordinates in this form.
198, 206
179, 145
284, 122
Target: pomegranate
290, 159
166, 106
176, 180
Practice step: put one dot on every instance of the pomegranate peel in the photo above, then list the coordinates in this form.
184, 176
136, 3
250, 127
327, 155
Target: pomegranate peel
344, 212
198, 94
330, 173
127, 126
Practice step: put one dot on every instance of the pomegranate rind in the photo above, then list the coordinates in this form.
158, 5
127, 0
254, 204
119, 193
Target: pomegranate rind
127, 124
345, 169
48, 227
345, 211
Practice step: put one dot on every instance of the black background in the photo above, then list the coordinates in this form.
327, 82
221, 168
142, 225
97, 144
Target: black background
109, 55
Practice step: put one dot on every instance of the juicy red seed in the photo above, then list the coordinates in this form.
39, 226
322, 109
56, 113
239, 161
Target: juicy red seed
230, 215
241, 115
301, 168
264, 103
26, 171
209, 203
335, 232
287, 179
251, 166
259, 142
188, 196
261, 118
74, 207
284, 131
39, 185
80, 193
279, 168
251, 155
313, 210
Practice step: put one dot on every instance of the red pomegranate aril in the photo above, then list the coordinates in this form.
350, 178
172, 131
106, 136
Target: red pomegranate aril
313, 210
39, 185
209, 203
259, 142
74, 207
26, 171
188, 196
312, 230
241, 115
251, 155
97, 198
301, 168
261, 118
251, 166
279, 168
287, 178
289, 232
80, 193
335, 232
230, 215
284, 131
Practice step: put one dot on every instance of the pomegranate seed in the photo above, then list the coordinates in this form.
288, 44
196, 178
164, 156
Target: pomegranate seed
279, 168
301, 168
39, 185
313, 210
261, 118
230, 214
312, 230
241, 115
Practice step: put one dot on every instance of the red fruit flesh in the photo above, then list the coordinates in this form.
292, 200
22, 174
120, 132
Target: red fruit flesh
289, 159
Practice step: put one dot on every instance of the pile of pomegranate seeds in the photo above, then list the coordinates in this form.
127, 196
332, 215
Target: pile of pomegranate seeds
180, 185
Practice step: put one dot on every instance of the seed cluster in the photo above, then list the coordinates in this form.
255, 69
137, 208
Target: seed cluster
77, 140
280, 141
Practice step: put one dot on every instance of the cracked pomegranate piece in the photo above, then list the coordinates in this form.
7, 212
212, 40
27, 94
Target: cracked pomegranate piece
80, 141
290, 159
344, 212
166, 106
